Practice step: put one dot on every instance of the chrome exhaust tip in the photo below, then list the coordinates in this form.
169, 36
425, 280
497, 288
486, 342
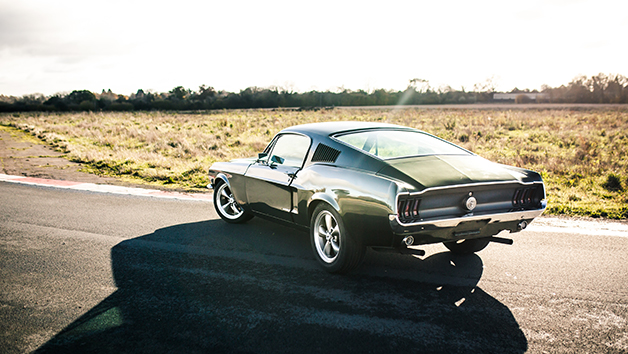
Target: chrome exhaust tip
408, 240
522, 225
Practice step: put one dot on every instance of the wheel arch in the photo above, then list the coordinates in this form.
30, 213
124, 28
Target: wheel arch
319, 198
220, 178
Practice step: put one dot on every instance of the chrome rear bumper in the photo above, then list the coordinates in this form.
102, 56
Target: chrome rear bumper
510, 220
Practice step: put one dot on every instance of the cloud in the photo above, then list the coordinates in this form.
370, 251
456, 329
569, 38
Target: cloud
20, 28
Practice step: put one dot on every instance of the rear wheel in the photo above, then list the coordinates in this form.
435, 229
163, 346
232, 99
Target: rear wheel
226, 206
334, 248
467, 246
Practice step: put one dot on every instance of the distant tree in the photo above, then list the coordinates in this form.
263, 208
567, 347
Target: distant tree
142, 100
597, 86
87, 105
382, 97
121, 106
34, 99
488, 86
57, 102
419, 85
430, 97
77, 97
107, 95
205, 92
164, 105
578, 90
179, 93
617, 89
601, 88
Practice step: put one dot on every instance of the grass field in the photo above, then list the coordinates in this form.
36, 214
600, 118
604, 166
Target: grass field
581, 153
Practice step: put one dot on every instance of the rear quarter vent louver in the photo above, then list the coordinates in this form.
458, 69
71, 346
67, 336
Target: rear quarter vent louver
325, 153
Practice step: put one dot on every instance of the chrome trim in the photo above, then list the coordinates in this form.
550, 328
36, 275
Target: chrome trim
274, 141
453, 222
481, 184
293, 211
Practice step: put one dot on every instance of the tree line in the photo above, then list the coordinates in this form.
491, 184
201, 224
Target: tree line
582, 89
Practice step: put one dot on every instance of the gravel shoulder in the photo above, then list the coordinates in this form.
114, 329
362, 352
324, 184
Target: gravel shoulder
24, 155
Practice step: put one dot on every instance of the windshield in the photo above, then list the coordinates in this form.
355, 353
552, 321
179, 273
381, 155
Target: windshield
390, 144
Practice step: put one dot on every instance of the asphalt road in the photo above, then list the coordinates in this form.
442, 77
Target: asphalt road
89, 272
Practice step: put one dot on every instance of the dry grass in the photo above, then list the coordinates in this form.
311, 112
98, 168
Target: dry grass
582, 154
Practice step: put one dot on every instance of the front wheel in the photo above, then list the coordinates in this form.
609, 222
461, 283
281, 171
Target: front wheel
467, 246
226, 206
334, 248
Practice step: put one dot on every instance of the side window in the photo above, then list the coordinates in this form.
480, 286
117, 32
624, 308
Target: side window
292, 149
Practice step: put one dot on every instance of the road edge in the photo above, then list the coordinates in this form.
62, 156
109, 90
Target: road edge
105, 188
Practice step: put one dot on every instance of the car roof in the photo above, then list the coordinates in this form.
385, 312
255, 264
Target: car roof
330, 128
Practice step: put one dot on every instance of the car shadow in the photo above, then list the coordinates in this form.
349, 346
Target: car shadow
214, 287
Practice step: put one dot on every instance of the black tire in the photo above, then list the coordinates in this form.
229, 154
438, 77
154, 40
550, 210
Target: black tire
467, 246
334, 247
226, 206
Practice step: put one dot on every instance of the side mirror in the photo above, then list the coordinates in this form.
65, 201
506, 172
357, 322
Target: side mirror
278, 160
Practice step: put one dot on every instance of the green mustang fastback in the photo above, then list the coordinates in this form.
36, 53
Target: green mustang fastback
356, 185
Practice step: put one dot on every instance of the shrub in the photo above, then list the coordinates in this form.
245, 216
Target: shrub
450, 124
613, 183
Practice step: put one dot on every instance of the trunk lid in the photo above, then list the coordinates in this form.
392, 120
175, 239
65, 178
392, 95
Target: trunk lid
446, 170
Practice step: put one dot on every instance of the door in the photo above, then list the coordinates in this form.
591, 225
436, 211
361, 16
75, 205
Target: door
268, 181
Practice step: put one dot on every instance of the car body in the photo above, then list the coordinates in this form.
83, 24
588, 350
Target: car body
356, 185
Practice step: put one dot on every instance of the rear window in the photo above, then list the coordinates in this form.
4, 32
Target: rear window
390, 144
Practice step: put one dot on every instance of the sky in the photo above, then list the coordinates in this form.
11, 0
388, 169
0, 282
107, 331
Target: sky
51, 47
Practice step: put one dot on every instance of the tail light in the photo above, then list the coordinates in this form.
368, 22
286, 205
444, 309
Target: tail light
526, 197
408, 209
